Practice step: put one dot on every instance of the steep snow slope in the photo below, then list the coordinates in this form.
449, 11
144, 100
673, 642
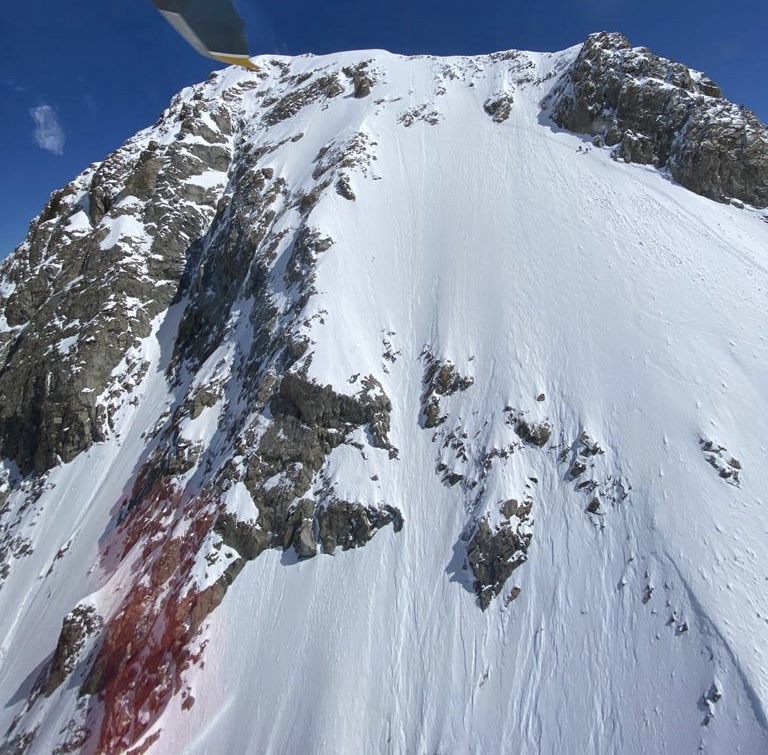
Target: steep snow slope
637, 308
550, 326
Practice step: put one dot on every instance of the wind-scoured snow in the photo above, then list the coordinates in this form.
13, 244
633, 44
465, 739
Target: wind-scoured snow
596, 296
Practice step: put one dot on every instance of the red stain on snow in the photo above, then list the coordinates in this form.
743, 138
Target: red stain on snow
149, 641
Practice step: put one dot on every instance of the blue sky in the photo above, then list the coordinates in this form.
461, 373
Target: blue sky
78, 78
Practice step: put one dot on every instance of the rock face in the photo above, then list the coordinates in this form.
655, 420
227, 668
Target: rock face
80, 624
440, 379
655, 111
494, 553
309, 422
105, 256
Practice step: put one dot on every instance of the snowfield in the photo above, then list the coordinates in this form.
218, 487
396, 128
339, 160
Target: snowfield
574, 290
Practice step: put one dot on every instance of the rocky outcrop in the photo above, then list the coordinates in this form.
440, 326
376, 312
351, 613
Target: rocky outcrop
309, 421
440, 379
728, 467
361, 77
655, 111
106, 256
600, 481
321, 88
493, 553
18, 744
349, 525
499, 107
321, 406
579, 454
82, 623
536, 433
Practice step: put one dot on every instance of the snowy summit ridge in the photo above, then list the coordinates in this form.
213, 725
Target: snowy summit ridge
385, 405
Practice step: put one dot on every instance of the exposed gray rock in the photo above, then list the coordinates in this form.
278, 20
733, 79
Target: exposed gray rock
363, 86
247, 538
349, 525
318, 405
499, 108
513, 507
714, 694
418, 113
431, 416
723, 153
305, 250
659, 112
578, 468
362, 78
236, 263
19, 744
12, 547
635, 148
79, 625
323, 87
727, 467
203, 399
493, 554
51, 372
303, 537
440, 379
307, 422
598, 479
355, 153
344, 189
537, 433
580, 453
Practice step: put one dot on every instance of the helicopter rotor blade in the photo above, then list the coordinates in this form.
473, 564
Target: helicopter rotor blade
213, 27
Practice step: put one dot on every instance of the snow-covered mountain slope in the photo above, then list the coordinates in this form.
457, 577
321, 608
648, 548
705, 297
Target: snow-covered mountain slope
356, 407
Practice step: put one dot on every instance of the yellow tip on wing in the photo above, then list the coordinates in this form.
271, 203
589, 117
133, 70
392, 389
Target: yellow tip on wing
237, 60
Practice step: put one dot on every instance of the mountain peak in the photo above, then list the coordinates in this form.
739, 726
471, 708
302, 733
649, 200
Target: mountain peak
658, 112
403, 386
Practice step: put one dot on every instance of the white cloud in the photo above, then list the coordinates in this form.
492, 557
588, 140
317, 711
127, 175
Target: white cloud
15, 85
48, 133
